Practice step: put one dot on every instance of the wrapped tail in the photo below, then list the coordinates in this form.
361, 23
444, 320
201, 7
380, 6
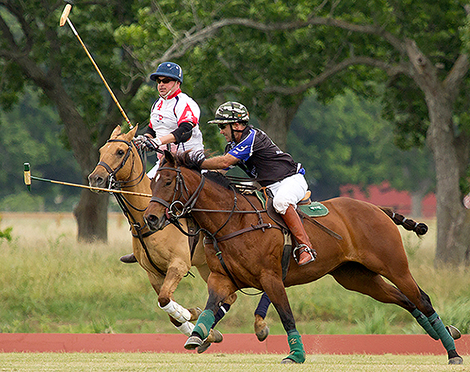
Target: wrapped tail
418, 227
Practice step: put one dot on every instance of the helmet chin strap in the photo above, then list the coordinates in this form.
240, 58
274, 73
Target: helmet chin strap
233, 132
170, 92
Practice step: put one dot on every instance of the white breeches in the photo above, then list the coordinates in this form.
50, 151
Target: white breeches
288, 191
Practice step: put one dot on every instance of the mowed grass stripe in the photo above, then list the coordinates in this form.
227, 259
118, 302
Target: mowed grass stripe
78, 362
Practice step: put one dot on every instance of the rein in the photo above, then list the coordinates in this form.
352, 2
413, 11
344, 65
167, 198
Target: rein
124, 204
174, 214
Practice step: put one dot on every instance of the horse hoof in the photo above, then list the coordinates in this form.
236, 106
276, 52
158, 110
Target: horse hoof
205, 345
454, 332
193, 342
195, 313
261, 328
287, 361
263, 334
456, 360
215, 336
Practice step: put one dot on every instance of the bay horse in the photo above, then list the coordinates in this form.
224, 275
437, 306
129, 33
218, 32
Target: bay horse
165, 255
363, 247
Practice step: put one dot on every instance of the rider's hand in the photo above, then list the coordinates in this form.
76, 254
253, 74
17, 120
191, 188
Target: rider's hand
146, 143
140, 140
151, 144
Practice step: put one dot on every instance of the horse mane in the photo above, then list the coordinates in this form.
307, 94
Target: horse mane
193, 161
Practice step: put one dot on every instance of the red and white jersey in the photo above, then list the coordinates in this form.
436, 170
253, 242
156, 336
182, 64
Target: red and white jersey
167, 114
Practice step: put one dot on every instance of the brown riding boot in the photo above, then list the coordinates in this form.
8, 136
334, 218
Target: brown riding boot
128, 258
305, 253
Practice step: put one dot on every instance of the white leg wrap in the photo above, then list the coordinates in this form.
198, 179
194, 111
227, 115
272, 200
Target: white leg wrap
186, 328
176, 311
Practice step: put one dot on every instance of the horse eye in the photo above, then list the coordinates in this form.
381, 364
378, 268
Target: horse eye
168, 183
120, 152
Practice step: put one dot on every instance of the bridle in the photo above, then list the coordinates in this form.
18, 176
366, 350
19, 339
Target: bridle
113, 182
176, 209
124, 204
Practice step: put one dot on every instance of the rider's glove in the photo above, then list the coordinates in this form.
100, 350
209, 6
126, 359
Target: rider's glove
148, 144
140, 140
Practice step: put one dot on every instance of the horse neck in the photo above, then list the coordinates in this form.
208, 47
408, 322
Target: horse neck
216, 197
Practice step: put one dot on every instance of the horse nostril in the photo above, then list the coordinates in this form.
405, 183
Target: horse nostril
151, 218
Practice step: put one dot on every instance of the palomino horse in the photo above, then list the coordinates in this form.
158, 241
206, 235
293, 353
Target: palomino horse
242, 254
165, 255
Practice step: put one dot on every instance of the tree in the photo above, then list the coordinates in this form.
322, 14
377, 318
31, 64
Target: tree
346, 141
273, 53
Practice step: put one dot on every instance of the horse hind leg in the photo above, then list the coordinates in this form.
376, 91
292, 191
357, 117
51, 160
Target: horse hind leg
356, 277
445, 334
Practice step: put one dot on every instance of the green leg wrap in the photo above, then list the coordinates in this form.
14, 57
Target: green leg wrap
445, 337
297, 352
424, 322
204, 323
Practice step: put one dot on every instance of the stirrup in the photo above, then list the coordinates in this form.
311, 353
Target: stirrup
304, 248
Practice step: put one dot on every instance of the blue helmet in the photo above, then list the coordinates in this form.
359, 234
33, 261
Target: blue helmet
168, 69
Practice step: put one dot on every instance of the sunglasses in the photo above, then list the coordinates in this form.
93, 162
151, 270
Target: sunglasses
222, 125
164, 80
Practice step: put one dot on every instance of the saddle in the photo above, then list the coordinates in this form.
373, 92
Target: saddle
305, 207
310, 210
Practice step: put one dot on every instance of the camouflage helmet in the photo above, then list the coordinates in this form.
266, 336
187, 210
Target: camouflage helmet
231, 112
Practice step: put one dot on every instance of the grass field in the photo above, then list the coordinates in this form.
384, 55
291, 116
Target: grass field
80, 362
52, 284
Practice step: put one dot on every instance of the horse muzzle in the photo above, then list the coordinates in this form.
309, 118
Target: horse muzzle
154, 222
96, 180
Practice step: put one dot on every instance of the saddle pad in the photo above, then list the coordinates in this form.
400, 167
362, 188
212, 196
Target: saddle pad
261, 198
314, 209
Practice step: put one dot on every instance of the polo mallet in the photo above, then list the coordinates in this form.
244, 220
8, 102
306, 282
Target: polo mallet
65, 18
28, 177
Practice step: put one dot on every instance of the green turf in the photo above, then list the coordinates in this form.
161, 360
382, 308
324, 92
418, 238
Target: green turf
81, 362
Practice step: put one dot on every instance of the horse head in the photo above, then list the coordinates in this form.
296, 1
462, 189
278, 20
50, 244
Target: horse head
166, 201
117, 161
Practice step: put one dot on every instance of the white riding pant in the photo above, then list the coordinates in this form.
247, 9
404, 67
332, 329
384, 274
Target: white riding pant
290, 190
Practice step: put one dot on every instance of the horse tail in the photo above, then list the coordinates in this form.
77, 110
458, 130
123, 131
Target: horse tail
418, 227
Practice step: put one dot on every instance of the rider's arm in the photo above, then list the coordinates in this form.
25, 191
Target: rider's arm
181, 134
219, 162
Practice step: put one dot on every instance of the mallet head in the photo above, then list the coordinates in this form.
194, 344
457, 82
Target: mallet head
66, 12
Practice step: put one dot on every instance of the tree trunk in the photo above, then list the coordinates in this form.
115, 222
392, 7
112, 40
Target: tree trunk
453, 227
91, 214
278, 119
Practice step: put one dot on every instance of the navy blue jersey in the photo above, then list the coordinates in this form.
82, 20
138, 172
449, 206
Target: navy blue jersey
260, 158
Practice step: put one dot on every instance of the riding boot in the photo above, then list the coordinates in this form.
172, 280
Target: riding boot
128, 258
303, 253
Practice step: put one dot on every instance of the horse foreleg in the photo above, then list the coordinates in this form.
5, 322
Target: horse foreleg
261, 327
179, 316
275, 290
220, 288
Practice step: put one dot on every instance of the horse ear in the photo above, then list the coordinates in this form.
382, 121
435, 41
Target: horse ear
170, 159
133, 131
116, 132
